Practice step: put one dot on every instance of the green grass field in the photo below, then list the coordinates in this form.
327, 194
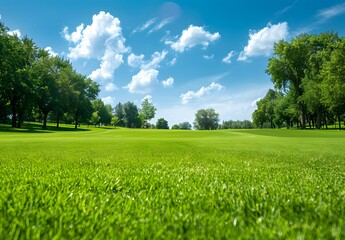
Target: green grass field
106, 183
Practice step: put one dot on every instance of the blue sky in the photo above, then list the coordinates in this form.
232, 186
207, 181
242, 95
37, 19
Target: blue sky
183, 55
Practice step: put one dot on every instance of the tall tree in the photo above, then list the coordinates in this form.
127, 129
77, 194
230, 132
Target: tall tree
47, 89
118, 112
333, 85
206, 119
287, 69
87, 91
147, 111
17, 56
104, 111
67, 94
131, 115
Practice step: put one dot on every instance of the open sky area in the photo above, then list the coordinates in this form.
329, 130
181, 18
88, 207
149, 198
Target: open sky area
183, 55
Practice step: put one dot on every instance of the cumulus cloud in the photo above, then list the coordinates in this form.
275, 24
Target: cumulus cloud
188, 96
261, 43
108, 100
138, 60
142, 82
228, 57
110, 62
192, 37
168, 82
50, 51
102, 40
135, 60
14, 33
109, 87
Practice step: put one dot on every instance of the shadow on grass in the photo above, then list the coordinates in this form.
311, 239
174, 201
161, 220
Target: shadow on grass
37, 128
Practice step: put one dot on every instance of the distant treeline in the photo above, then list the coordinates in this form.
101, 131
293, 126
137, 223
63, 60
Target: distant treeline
246, 124
309, 78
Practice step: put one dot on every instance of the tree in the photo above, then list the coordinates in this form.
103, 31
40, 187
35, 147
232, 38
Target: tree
45, 73
118, 112
162, 124
206, 119
87, 90
104, 111
287, 68
147, 111
68, 96
95, 118
114, 121
16, 86
185, 126
333, 86
131, 115
175, 126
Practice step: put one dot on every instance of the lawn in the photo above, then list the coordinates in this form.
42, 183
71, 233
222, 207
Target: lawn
106, 183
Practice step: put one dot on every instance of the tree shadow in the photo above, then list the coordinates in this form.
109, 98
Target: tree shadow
37, 128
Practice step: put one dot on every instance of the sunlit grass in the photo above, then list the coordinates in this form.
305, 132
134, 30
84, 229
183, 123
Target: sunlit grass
119, 184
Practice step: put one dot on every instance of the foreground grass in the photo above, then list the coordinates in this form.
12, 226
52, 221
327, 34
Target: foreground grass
121, 184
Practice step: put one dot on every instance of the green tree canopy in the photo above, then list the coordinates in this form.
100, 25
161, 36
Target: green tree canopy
162, 124
206, 119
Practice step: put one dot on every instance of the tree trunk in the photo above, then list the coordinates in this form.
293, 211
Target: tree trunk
45, 115
58, 120
325, 119
14, 114
76, 118
20, 119
303, 120
339, 123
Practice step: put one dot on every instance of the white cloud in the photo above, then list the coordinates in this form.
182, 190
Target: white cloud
142, 82
208, 57
186, 97
228, 57
331, 12
161, 24
50, 51
14, 32
148, 97
108, 100
168, 82
74, 37
102, 40
110, 62
192, 37
109, 87
261, 43
145, 25
138, 60
135, 60
173, 62
156, 59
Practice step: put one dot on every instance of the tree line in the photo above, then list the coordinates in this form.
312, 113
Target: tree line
309, 79
35, 85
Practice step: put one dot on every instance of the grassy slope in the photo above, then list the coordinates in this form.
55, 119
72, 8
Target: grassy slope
98, 183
